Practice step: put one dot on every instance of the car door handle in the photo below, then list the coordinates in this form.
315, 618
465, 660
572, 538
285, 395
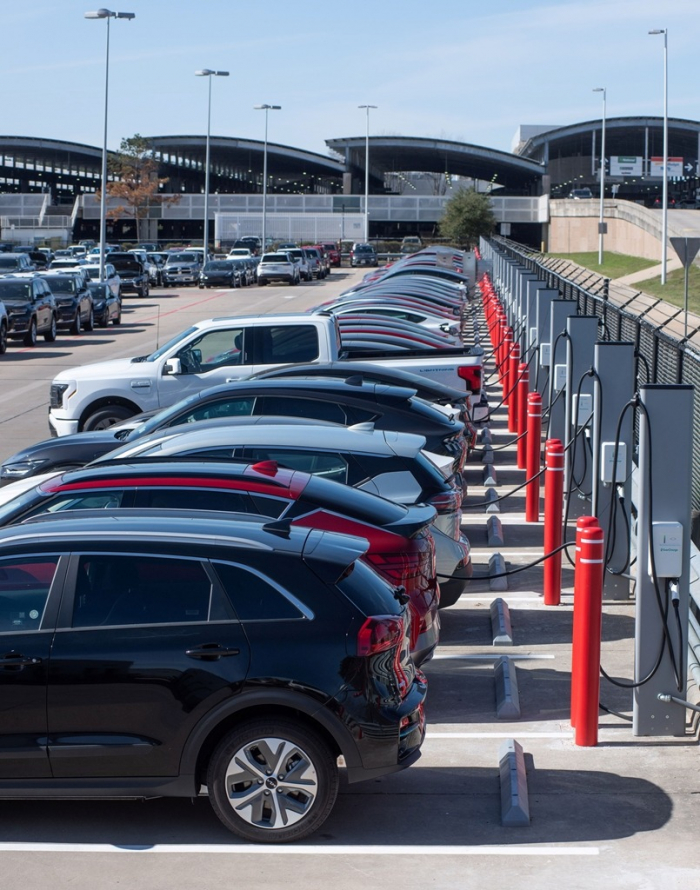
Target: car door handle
211, 652
15, 660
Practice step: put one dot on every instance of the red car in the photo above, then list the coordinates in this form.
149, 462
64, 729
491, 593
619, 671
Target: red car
401, 547
333, 251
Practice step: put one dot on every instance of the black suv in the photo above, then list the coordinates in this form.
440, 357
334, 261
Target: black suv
31, 309
151, 656
74, 301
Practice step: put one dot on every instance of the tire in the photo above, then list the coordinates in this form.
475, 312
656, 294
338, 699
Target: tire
3, 339
77, 326
30, 336
105, 417
103, 320
262, 282
144, 291
90, 323
50, 335
276, 749
118, 318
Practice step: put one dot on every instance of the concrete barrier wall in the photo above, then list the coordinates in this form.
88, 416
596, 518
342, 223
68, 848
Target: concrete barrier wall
632, 229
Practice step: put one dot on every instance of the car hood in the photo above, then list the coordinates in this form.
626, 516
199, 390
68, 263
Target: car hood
114, 368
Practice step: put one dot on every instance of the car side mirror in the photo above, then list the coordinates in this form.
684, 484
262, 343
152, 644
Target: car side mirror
172, 366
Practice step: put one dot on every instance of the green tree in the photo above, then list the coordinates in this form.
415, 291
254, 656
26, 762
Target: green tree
136, 181
468, 216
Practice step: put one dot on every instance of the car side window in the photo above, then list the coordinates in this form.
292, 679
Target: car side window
241, 407
194, 499
24, 590
288, 343
214, 349
256, 598
121, 589
319, 463
295, 407
83, 500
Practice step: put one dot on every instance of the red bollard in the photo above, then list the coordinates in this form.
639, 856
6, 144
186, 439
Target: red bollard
523, 392
513, 388
505, 365
534, 434
589, 616
553, 518
578, 644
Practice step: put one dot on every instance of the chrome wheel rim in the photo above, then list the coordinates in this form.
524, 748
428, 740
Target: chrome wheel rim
271, 783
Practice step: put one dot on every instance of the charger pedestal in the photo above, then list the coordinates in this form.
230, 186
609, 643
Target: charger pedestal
664, 496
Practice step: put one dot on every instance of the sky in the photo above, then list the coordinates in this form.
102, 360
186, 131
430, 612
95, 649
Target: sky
446, 69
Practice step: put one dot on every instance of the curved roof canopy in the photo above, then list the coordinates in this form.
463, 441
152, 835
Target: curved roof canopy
390, 154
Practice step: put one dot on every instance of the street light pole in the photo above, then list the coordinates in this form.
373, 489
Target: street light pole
601, 224
105, 14
266, 109
207, 72
367, 108
664, 192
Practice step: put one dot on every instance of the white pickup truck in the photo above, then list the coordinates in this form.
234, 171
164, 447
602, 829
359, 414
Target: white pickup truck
215, 351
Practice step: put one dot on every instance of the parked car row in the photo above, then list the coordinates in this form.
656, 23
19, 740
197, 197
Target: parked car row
283, 540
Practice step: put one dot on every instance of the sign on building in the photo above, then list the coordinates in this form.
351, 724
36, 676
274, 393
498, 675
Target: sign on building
675, 167
624, 165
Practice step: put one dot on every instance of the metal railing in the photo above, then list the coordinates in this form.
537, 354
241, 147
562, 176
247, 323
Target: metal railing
663, 353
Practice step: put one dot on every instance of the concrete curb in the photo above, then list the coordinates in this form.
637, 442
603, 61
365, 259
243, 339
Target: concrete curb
501, 628
492, 497
497, 566
515, 806
494, 532
507, 695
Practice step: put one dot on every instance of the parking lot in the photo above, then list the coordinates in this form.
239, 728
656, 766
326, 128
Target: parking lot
620, 815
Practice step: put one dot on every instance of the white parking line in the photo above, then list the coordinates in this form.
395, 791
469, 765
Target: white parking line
497, 735
258, 850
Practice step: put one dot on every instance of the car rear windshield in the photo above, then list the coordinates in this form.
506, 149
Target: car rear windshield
15, 290
275, 258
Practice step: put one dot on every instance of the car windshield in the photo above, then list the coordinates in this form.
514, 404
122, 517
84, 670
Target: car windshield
63, 285
15, 290
363, 248
168, 346
182, 258
218, 266
98, 290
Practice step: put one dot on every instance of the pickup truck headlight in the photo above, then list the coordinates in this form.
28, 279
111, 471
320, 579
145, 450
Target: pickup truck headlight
56, 394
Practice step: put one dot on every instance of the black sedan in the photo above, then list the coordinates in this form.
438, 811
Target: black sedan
221, 273
106, 306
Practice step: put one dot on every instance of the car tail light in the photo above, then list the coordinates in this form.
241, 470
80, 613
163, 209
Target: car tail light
446, 501
472, 375
379, 633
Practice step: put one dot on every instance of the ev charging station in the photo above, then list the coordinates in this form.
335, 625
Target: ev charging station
541, 319
663, 558
560, 311
526, 279
580, 343
614, 363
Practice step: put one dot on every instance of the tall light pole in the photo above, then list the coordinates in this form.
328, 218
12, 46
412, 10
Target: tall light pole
105, 14
601, 224
367, 108
266, 109
207, 72
664, 192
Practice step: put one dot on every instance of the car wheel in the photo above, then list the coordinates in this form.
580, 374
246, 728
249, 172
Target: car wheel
3, 339
262, 282
77, 326
118, 317
90, 323
272, 781
105, 417
144, 291
50, 335
103, 320
165, 285
30, 336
